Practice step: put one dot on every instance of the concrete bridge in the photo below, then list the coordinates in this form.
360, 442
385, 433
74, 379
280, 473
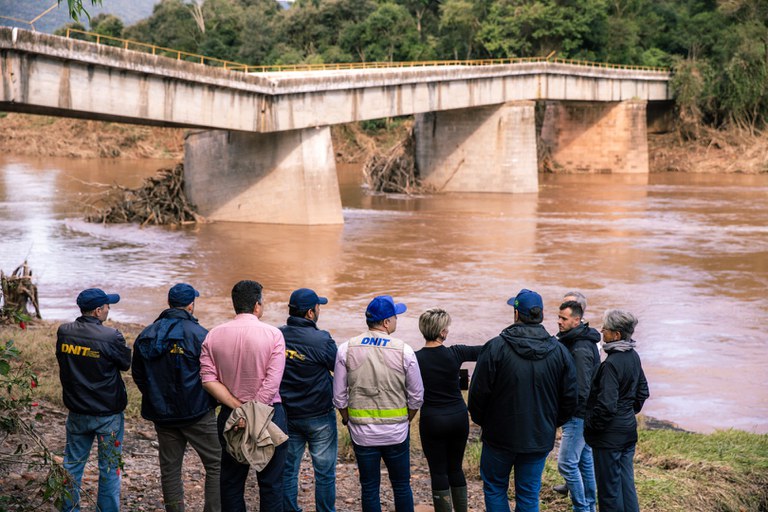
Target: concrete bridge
261, 151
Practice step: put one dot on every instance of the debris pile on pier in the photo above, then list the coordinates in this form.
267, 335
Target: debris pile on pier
394, 170
159, 200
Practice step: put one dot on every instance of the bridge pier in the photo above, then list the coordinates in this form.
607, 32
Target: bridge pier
593, 137
481, 149
277, 178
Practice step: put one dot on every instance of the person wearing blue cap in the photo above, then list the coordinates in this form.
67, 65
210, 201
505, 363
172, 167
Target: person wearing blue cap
307, 393
91, 357
166, 369
523, 388
377, 388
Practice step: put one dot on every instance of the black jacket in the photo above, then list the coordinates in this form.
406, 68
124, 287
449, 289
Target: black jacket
581, 342
91, 357
523, 388
618, 393
310, 354
166, 369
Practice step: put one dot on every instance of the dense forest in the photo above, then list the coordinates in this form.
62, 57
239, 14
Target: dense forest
718, 49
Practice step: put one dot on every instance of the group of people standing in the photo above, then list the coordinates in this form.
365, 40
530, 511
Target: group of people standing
279, 388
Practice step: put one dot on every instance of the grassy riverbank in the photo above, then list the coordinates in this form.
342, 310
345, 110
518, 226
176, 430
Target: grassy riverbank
675, 470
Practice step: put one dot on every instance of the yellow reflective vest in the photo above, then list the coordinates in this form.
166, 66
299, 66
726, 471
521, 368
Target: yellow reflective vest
376, 379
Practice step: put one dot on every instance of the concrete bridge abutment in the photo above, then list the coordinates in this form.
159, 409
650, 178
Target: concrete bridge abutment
594, 137
480, 149
279, 178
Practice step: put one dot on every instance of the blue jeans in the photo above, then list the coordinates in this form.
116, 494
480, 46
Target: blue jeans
495, 467
616, 480
319, 432
108, 432
234, 474
575, 464
397, 458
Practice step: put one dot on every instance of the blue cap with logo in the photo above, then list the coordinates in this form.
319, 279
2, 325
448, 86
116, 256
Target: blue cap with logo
181, 295
383, 307
525, 300
305, 299
92, 298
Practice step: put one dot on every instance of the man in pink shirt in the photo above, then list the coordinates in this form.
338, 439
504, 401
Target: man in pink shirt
241, 361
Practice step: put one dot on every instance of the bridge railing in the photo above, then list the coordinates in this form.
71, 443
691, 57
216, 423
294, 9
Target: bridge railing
128, 44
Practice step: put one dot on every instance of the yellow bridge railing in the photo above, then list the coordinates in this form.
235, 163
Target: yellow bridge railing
236, 66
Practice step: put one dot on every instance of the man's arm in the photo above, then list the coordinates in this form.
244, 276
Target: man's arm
221, 393
569, 390
275, 368
209, 375
120, 352
138, 372
481, 385
330, 353
340, 392
414, 386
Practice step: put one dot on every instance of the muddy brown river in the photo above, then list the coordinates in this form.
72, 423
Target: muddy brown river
688, 254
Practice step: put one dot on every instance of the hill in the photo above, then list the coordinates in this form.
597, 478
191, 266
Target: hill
129, 11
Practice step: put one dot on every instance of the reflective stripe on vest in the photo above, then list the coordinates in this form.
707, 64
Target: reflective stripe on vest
378, 413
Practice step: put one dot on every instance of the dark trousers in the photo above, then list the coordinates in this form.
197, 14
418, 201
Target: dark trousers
397, 458
234, 474
444, 439
615, 476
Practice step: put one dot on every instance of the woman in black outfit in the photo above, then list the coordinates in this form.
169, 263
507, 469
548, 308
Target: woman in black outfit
444, 423
618, 392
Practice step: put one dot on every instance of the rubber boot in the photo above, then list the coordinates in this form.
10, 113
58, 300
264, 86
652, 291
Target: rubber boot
459, 495
441, 500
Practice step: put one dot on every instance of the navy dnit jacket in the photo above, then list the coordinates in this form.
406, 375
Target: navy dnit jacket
91, 357
166, 369
310, 354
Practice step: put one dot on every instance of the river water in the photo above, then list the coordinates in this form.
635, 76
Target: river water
688, 254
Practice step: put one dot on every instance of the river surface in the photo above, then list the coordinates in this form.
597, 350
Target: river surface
688, 254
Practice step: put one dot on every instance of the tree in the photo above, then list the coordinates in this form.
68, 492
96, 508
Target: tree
107, 25
171, 26
520, 28
387, 34
460, 21
76, 8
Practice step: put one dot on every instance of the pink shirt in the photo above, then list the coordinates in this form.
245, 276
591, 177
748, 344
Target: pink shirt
247, 356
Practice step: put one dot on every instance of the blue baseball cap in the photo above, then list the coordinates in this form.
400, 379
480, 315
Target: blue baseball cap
92, 298
383, 307
181, 295
305, 299
525, 300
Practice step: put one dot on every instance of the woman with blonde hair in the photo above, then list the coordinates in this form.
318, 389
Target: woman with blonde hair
444, 422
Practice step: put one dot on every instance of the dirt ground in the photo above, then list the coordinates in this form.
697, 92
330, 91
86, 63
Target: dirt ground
141, 490
29, 135
22, 134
